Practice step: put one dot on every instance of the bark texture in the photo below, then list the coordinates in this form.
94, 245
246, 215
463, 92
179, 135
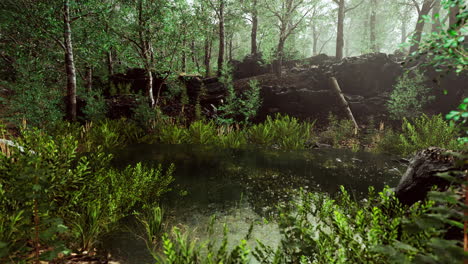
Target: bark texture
69, 62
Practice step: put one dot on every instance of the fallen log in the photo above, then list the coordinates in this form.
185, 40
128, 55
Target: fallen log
336, 88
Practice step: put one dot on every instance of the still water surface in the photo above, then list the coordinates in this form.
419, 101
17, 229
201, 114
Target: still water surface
244, 186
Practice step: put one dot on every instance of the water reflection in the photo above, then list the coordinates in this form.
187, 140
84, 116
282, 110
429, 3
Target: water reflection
244, 186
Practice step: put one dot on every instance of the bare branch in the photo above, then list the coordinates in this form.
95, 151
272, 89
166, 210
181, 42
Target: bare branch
351, 8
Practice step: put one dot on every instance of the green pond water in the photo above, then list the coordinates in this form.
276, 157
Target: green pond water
244, 186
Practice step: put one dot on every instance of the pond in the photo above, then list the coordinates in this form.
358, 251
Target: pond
240, 187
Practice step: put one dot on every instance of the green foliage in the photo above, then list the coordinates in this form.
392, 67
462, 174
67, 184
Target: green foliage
446, 48
230, 138
178, 249
241, 107
424, 132
144, 114
418, 134
173, 134
283, 132
96, 107
39, 105
460, 118
389, 142
319, 229
76, 198
338, 131
409, 96
202, 133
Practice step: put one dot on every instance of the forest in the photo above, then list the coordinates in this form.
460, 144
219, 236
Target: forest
223, 131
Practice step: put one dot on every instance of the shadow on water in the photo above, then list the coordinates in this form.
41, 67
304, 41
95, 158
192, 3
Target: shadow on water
244, 186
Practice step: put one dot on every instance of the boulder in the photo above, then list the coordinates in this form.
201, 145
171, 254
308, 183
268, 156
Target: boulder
367, 75
252, 65
421, 175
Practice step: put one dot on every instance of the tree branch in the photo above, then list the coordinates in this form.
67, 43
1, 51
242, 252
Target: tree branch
351, 8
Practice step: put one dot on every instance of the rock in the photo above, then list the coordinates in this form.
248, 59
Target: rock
252, 65
420, 176
134, 82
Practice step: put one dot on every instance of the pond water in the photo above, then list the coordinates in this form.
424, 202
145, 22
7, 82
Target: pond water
244, 186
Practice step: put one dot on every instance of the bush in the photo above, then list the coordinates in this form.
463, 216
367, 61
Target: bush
241, 107
38, 105
319, 229
96, 107
202, 133
409, 96
427, 131
69, 198
338, 131
282, 132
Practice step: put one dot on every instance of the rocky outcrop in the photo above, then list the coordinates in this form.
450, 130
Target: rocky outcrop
421, 174
252, 65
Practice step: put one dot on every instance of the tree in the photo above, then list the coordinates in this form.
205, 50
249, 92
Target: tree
373, 22
342, 10
290, 14
422, 11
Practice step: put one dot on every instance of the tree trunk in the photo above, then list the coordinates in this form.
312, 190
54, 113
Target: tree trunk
221, 38
336, 88
279, 57
149, 87
425, 9
69, 62
194, 56
207, 59
315, 37
89, 78
453, 16
253, 35
230, 49
184, 56
403, 31
340, 33
436, 10
373, 22
110, 63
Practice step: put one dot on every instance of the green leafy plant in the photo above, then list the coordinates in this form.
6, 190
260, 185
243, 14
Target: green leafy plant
96, 107
425, 131
319, 229
409, 96
202, 133
338, 131
38, 105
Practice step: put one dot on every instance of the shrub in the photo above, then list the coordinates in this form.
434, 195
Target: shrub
409, 96
319, 229
202, 133
230, 138
96, 107
173, 134
241, 107
338, 131
71, 199
425, 131
38, 105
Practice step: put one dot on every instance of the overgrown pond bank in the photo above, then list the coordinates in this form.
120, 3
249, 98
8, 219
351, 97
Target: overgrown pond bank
243, 186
